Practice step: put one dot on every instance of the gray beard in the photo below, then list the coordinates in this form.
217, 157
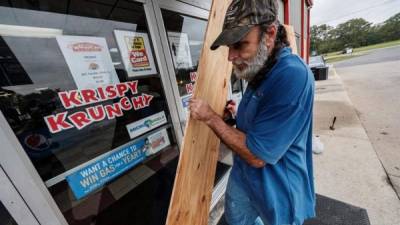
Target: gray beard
253, 65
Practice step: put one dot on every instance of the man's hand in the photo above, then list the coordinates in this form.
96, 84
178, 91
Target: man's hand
201, 110
235, 139
231, 107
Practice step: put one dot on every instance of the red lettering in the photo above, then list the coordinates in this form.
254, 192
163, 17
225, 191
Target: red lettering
121, 89
133, 86
101, 93
80, 119
96, 113
89, 96
147, 99
57, 123
138, 102
70, 99
111, 92
189, 88
113, 110
125, 104
193, 76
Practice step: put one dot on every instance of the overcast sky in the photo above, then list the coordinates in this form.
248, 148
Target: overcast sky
334, 12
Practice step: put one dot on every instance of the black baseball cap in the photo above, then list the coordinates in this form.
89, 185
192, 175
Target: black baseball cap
241, 16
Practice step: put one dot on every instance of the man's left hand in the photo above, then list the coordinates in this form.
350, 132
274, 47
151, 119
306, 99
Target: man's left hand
200, 110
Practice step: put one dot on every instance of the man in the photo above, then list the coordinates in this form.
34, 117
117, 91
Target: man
271, 181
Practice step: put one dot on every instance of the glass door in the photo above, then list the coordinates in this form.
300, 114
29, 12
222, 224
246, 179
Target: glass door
184, 36
81, 88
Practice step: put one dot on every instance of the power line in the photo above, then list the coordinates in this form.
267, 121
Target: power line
357, 11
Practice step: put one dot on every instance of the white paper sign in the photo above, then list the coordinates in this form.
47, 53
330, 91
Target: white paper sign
142, 126
180, 49
156, 142
135, 52
88, 60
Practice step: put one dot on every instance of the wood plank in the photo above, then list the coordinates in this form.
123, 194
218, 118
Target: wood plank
191, 196
292, 38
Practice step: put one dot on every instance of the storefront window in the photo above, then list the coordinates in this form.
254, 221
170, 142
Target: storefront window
81, 89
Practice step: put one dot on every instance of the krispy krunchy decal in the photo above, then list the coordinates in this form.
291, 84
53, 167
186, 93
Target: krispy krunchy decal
96, 113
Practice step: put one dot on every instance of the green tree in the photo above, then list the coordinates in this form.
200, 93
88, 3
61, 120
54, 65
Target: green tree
353, 33
390, 30
320, 37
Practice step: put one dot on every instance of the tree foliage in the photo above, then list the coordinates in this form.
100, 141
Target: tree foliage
353, 33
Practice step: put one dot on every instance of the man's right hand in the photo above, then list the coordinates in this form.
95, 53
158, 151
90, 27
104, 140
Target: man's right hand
229, 113
230, 109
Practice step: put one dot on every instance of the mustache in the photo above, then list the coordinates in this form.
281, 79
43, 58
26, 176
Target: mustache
247, 69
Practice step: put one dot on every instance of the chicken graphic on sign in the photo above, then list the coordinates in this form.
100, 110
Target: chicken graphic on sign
137, 52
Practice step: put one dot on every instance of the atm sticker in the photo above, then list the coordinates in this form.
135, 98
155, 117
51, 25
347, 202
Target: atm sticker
144, 125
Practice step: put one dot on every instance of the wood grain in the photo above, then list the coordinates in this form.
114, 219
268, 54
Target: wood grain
191, 196
292, 38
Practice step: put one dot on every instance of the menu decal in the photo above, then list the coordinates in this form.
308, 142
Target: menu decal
88, 60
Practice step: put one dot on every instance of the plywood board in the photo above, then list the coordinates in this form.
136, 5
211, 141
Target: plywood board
191, 196
292, 38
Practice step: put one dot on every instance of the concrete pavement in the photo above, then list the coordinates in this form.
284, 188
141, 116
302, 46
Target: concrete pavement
349, 169
372, 83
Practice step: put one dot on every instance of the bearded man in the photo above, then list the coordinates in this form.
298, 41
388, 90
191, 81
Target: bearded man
271, 181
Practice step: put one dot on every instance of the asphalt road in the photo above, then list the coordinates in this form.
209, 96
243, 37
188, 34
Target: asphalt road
372, 82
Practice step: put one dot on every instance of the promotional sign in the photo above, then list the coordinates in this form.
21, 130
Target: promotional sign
96, 174
136, 53
88, 60
144, 125
157, 141
95, 113
179, 44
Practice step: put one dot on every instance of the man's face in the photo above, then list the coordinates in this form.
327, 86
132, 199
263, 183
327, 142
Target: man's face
248, 55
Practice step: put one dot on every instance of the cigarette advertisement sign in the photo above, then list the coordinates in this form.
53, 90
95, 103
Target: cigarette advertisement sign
96, 174
144, 125
88, 60
136, 53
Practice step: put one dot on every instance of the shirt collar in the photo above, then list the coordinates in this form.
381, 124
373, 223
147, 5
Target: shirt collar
283, 52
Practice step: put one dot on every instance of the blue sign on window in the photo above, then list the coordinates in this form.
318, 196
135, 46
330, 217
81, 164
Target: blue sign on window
96, 174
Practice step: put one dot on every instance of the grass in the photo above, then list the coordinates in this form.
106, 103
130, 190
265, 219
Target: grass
337, 56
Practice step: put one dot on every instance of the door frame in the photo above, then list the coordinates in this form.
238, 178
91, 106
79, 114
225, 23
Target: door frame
13, 202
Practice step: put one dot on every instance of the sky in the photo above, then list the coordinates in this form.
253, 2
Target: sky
334, 12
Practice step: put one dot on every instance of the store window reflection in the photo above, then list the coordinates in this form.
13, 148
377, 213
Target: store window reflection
185, 36
80, 88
